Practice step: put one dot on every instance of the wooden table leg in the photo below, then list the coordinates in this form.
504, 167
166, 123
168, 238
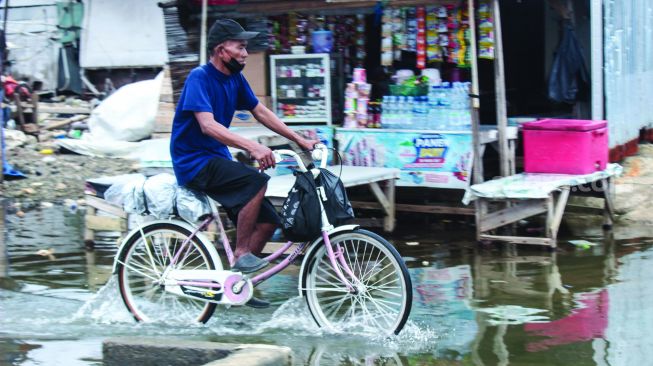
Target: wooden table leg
554, 214
390, 220
387, 201
89, 234
481, 210
608, 207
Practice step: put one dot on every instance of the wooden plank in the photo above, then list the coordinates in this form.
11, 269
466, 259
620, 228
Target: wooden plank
105, 223
417, 208
521, 259
511, 214
65, 122
435, 209
105, 206
45, 108
517, 239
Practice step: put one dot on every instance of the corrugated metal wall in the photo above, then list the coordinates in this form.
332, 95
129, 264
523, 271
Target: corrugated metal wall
628, 52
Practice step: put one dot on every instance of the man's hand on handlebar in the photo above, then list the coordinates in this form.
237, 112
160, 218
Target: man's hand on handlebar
263, 155
307, 144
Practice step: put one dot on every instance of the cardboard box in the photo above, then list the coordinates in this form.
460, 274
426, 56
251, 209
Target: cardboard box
256, 73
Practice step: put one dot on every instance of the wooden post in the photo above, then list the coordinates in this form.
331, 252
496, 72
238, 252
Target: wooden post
608, 205
89, 233
500, 90
389, 221
477, 175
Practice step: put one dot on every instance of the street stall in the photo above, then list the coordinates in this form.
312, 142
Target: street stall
396, 84
394, 78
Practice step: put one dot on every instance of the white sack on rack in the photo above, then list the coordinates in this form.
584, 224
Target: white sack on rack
160, 191
128, 193
192, 205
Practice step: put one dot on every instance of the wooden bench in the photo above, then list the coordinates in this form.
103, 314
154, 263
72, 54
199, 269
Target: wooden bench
503, 202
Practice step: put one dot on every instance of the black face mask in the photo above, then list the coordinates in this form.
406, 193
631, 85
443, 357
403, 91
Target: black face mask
234, 66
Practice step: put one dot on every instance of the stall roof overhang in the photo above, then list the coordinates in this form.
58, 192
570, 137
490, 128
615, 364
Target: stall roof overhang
122, 34
257, 8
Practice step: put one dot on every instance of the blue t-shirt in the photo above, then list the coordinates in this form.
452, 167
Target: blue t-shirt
206, 90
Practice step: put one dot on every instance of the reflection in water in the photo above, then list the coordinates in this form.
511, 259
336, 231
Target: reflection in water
4, 257
588, 321
472, 305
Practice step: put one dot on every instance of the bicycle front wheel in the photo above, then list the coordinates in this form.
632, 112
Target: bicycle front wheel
141, 263
383, 296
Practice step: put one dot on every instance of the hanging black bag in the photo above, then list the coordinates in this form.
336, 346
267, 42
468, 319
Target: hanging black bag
337, 205
300, 213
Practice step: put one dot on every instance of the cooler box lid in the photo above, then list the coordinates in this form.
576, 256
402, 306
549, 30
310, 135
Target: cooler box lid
564, 125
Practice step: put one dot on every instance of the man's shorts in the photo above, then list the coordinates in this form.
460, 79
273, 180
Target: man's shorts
233, 185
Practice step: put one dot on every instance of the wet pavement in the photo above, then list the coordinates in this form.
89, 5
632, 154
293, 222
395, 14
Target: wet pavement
473, 304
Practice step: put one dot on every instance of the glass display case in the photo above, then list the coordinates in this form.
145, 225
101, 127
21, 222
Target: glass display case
301, 87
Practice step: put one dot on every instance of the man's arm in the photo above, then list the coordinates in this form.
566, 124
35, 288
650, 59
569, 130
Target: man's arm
211, 128
271, 121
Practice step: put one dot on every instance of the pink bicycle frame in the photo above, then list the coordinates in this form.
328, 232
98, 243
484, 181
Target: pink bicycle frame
336, 258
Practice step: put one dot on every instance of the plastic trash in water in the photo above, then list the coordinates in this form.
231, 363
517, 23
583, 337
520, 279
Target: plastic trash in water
583, 244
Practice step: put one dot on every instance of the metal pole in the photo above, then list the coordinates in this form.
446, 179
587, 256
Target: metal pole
596, 21
203, 33
476, 138
500, 89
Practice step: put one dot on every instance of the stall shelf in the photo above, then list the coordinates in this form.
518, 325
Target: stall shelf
301, 87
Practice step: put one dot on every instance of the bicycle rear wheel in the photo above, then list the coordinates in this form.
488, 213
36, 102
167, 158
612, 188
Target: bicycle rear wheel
384, 291
141, 264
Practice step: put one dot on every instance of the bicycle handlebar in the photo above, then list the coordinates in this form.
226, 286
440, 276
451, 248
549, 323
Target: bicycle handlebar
320, 152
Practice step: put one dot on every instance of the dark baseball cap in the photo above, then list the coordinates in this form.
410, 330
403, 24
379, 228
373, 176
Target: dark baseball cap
226, 29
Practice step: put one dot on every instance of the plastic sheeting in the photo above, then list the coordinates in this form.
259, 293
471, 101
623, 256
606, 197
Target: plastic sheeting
119, 34
158, 196
32, 41
534, 185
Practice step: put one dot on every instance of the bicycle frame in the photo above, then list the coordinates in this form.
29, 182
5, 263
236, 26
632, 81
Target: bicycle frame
336, 258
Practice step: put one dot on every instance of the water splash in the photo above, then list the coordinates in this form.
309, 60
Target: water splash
105, 307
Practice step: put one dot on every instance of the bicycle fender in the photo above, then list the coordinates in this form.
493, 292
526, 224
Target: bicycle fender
315, 243
207, 243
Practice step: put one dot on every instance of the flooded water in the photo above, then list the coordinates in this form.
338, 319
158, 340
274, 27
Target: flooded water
473, 305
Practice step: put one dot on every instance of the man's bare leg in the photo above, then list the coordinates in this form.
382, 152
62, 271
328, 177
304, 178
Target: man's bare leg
261, 236
247, 223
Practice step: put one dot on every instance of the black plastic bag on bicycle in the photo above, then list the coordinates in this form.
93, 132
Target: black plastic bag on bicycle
300, 213
337, 205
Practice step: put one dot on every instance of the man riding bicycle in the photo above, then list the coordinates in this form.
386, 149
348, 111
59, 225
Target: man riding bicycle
200, 136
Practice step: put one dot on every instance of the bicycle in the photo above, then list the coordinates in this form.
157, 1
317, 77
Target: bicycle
348, 275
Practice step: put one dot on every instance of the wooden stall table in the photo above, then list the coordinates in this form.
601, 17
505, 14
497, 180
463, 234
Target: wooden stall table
528, 194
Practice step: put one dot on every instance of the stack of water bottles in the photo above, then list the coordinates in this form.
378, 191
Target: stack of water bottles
445, 108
